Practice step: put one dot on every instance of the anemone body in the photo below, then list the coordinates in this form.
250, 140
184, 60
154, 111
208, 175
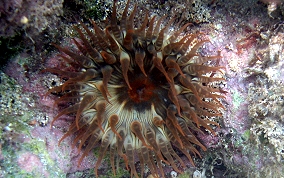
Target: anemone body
138, 91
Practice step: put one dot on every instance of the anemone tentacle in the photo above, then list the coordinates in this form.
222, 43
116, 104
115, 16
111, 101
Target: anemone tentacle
139, 90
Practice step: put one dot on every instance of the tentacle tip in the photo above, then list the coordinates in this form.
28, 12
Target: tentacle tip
102, 130
77, 125
79, 163
107, 100
51, 124
59, 142
129, 87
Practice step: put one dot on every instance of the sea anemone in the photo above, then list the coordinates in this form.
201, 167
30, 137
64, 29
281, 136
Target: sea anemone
138, 91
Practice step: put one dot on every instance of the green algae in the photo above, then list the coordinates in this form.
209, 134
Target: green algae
246, 135
15, 134
237, 100
185, 175
93, 10
10, 47
120, 172
36, 147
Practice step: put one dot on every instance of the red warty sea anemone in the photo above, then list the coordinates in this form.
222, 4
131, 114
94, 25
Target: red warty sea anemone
138, 91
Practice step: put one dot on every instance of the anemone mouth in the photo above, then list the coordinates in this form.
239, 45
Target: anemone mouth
144, 91
138, 91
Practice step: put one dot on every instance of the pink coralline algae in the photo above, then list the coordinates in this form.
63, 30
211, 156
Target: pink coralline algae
30, 162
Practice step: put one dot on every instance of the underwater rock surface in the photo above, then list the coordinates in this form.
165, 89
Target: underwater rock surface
249, 35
